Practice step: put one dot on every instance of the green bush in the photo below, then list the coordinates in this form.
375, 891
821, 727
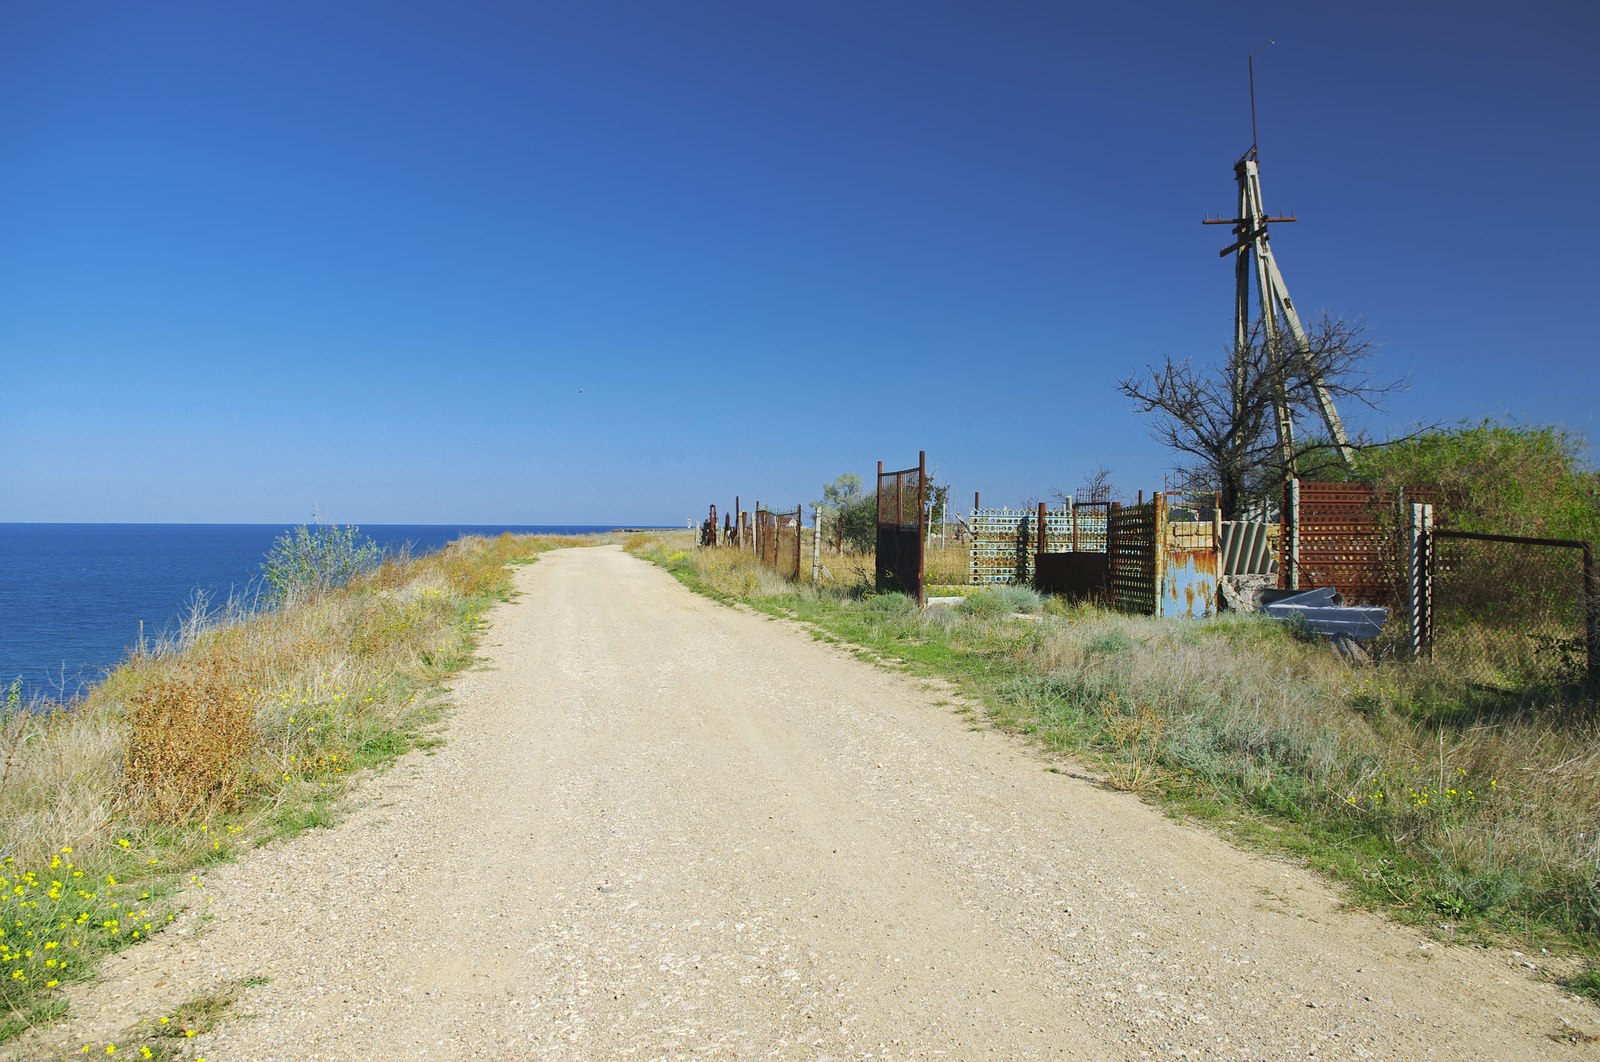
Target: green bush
1001, 601
323, 557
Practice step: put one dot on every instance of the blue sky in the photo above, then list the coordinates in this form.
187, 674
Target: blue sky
256, 258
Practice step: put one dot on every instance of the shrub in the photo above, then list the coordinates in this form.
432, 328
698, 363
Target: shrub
189, 746
319, 558
1001, 601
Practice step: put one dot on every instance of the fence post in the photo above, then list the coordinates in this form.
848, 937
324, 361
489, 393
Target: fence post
922, 526
1292, 536
1112, 511
1591, 613
1420, 604
1039, 547
816, 543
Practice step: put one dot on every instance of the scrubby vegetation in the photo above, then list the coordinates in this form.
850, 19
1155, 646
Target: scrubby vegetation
238, 729
1466, 807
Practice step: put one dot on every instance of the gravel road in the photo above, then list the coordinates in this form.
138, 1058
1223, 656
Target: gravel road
667, 829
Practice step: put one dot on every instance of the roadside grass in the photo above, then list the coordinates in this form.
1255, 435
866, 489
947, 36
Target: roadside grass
1459, 795
241, 728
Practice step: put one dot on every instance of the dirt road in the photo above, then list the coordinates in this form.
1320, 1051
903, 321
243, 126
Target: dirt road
663, 828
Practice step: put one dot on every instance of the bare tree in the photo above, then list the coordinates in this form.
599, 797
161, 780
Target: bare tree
1222, 420
1097, 487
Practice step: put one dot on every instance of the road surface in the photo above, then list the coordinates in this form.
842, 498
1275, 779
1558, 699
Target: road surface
663, 828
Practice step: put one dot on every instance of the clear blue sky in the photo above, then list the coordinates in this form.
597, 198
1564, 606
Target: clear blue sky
256, 257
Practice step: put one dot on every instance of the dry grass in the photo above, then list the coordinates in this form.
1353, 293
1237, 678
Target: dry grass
1464, 789
238, 728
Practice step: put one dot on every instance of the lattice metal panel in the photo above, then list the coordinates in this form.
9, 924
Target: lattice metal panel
1131, 558
1091, 532
1347, 540
1003, 543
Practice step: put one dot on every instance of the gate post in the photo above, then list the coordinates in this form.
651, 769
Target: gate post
1040, 546
922, 526
1420, 561
1291, 536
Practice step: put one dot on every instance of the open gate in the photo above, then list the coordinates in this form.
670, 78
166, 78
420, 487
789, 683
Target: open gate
903, 528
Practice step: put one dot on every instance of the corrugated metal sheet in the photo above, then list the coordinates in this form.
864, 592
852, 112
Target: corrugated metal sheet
1248, 548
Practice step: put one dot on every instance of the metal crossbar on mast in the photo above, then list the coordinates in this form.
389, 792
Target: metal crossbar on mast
1289, 350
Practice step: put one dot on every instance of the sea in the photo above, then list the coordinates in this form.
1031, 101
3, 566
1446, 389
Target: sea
73, 596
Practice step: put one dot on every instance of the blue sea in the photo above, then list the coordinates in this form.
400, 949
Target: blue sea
72, 595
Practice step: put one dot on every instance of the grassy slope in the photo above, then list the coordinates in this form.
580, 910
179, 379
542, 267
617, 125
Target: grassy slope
245, 729
1454, 804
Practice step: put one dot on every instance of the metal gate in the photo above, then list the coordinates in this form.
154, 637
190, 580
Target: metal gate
1131, 543
903, 528
778, 541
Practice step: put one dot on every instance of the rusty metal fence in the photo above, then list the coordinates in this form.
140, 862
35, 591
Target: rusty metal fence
778, 543
1347, 536
1131, 537
903, 529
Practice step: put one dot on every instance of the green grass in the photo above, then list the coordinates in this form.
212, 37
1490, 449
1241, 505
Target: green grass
1451, 804
334, 685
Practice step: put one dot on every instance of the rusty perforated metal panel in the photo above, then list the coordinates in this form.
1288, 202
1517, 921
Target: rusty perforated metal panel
1347, 539
1003, 544
1131, 558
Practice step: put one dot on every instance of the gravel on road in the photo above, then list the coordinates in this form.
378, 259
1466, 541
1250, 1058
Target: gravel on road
663, 828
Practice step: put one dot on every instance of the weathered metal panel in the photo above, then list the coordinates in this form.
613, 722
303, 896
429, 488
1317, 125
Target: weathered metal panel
1189, 570
1131, 548
1248, 548
902, 540
1003, 545
1074, 575
778, 541
1348, 538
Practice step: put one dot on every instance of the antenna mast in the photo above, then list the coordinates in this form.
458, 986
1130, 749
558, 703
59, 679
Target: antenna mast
1289, 351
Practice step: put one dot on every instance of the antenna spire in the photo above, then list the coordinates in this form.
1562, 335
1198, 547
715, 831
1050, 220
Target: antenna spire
1251, 61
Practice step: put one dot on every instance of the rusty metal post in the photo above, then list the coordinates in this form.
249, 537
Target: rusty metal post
975, 504
799, 547
1141, 497
879, 489
1039, 546
922, 526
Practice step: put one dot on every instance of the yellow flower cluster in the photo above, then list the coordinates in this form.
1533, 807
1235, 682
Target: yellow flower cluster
54, 923
1411, 791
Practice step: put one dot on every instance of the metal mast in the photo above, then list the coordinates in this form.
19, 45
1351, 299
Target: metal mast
1289, 351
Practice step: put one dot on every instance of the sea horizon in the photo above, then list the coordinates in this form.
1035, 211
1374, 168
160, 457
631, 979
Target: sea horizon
73, 594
